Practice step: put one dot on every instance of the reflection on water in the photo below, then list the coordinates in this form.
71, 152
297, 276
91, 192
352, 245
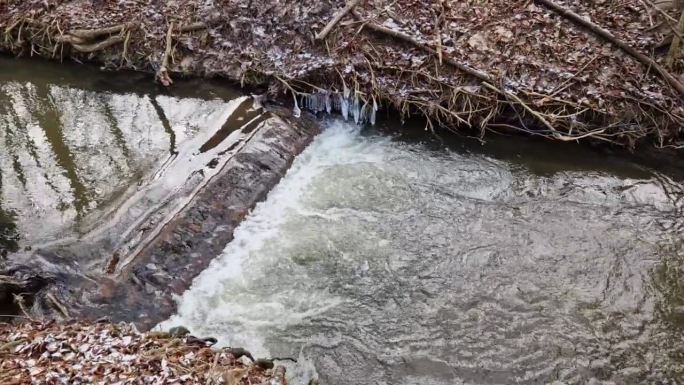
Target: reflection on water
73, 141
8, 234
393, 262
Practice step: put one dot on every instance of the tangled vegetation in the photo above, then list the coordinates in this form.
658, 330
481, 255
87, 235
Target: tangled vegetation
606, 70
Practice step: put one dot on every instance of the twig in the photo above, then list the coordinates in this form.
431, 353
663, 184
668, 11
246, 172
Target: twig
536, 114
564, 85
336, 19
19, 300
606, 35
438, 31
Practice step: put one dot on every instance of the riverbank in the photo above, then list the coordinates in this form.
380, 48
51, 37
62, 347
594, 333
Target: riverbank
106, 353
531, 67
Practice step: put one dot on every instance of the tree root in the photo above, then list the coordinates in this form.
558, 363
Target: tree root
90, 34
163, 73
88, 48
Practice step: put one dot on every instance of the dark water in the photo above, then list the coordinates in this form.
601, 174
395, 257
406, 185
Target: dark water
78, 146
395, 261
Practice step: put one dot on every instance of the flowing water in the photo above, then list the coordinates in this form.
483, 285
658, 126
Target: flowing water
385, 260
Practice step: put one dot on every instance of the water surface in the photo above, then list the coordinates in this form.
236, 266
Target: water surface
79, 147
389, 261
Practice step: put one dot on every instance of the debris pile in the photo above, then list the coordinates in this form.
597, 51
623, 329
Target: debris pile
106, 353
564, 70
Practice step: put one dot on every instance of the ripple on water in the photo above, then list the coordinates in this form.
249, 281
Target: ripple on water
390, 263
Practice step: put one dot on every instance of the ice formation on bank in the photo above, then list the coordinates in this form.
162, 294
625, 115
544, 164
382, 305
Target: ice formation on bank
348, 103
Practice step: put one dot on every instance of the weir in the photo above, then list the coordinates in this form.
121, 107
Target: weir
113, 199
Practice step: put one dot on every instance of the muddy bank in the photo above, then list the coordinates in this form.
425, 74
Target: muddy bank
133, 275
561, 70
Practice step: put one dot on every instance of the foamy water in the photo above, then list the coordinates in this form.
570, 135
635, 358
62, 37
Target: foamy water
377, 261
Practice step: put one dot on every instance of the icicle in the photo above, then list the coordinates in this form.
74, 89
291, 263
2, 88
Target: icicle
328, 106
364, 113
320, 102
344, 107
373, 111
295, 110
356, 108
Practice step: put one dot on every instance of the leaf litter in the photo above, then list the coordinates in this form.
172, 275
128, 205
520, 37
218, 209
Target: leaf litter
106, 353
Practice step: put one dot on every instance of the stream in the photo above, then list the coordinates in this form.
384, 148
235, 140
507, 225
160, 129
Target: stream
388, 260
385, 255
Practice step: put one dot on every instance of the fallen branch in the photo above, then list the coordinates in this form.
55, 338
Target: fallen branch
193, 27
57, 305
606, 35
487, 80
336, 19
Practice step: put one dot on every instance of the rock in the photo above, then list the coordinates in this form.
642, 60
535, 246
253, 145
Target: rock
179, 331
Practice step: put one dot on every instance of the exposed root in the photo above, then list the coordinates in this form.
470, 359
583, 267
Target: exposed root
91, 34
89, 48
163, 72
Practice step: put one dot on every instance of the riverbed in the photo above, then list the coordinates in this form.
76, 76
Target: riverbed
388, 260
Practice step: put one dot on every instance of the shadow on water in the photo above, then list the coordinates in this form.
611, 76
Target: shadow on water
539, 156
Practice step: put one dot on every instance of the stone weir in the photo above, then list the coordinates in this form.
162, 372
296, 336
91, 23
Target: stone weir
131, 266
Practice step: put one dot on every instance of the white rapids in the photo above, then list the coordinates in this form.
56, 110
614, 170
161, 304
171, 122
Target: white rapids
382, 261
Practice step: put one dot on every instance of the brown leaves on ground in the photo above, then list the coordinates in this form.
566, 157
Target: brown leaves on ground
581, 84
105, 353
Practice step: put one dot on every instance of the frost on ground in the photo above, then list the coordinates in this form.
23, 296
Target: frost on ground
482, 66
105, 353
